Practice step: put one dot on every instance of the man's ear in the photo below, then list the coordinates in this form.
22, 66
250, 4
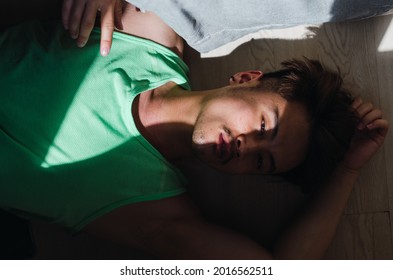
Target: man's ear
243, 77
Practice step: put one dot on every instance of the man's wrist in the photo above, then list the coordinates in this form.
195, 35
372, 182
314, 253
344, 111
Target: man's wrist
344, 168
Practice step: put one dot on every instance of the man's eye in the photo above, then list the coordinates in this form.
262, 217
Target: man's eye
259, 162
263, 128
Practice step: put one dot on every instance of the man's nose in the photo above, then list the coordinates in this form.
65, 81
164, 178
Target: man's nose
249, 143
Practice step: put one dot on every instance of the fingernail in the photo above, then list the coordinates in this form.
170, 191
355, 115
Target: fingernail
81, 44
370, 125
104, 51
361, 126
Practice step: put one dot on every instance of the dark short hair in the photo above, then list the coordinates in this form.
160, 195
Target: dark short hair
331, 119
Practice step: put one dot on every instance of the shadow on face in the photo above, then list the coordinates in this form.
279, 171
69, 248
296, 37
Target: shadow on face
252, 133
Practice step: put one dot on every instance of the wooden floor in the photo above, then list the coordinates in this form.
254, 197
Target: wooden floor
261, 207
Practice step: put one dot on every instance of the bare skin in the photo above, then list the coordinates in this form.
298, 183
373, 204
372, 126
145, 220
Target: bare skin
173, 227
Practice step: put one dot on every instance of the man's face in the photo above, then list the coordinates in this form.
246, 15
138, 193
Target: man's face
251, 132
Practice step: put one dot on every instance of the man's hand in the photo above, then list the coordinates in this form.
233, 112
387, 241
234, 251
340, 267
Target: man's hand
79, 17
369, 136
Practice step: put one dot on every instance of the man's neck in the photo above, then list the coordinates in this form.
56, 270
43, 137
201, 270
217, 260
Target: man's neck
166, 116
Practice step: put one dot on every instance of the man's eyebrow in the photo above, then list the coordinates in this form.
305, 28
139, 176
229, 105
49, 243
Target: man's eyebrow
276, 124
273, 136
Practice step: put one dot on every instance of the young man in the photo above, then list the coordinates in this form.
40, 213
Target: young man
91, 142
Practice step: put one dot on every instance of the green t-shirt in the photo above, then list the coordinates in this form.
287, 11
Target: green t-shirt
69, 148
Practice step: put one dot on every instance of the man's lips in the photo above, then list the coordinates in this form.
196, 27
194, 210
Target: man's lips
224, 151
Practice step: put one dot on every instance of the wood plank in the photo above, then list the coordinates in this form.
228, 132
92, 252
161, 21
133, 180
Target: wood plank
385, 74
365, 236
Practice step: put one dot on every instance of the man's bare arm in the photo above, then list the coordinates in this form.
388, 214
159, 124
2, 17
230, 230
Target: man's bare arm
173, 228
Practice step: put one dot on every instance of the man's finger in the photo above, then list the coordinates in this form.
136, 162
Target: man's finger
381, 125
364, 109
356, 103
76, 18
87, 24
371, 116
65, 12
107, 27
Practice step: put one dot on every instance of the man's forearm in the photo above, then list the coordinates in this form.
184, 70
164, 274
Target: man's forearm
310, 236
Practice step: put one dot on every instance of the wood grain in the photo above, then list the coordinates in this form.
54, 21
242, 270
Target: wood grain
364, 236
